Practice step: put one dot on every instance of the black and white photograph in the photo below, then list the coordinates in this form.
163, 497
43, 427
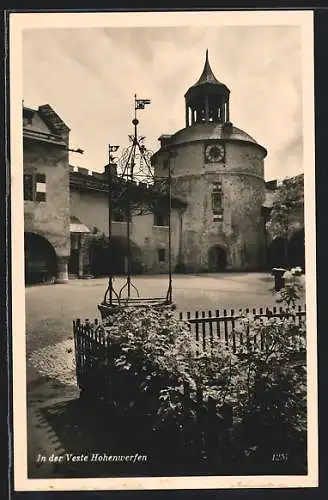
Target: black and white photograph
163, 250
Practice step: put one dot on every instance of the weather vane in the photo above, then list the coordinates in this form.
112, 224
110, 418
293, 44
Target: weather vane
131, 183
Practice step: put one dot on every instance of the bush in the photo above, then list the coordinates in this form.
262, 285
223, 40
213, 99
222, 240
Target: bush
233, 409
271, 404
158, 371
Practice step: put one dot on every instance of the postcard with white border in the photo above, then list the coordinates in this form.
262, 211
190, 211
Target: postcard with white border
163, 250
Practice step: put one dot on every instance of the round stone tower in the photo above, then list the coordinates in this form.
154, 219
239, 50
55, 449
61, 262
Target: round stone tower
219, 171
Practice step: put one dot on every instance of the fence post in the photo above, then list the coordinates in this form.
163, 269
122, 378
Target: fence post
233, 333
199, 423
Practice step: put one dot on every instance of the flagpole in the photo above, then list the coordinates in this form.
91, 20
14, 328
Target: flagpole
138, 104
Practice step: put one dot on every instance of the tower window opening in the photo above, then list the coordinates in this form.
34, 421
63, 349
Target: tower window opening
217, 208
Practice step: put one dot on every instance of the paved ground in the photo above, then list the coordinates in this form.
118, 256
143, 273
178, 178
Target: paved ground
56, 421
50, 309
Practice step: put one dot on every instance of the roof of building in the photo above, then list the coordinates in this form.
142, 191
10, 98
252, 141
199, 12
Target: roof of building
82, 179
76, 226
53, 119
210, 130
45, 125
207, 75
272, 186
207, 78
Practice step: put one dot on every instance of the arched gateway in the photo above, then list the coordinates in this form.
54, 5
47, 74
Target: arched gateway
40, 259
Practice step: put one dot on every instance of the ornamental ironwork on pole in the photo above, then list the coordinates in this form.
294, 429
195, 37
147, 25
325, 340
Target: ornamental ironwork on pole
135, 189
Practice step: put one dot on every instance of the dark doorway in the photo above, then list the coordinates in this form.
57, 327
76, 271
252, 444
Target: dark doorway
73, 264
40, 259
217, 259
296, 250
277, 253
113, 256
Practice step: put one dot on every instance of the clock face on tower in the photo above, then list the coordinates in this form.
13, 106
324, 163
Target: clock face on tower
214, 152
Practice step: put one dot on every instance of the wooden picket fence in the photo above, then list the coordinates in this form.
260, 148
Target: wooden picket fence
223, 325
93, 352
91, 347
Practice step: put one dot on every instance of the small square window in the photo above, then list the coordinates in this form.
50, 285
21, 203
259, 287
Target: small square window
161, 255
35, 187
40, 187
161, 219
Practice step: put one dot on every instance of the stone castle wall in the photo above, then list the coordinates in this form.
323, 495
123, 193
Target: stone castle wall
49, 218
241, 232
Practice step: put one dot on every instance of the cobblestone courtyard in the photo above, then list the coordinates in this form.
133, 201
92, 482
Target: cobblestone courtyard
50, 309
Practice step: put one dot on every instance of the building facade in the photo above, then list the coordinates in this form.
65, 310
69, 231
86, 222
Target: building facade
218, 170
46, 195
220, 201
148, 231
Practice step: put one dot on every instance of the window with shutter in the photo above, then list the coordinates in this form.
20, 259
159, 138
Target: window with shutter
40, 187
161, 217
34, 187
28, 187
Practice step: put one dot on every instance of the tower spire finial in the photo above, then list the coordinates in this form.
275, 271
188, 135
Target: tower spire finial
206, 59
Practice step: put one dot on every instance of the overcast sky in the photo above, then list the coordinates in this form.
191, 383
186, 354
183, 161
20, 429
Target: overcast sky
90, 75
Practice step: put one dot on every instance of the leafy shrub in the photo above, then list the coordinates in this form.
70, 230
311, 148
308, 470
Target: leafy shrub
293, 289
242, 405
157, 369
271, 405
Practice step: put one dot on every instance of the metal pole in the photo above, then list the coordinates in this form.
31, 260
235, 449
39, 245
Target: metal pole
110, 288
128, 253
169, 293
110, 274
128, 205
